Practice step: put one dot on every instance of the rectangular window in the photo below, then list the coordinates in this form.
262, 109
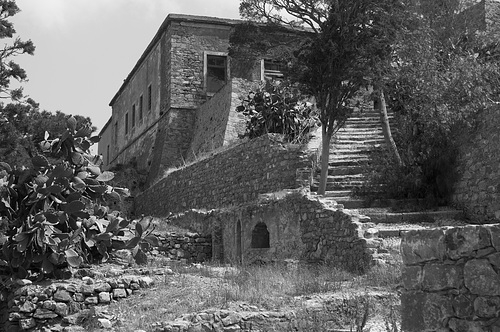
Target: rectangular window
150, 99
133, 116
140, 107
126, 123
272, 70
215, 72
116, 133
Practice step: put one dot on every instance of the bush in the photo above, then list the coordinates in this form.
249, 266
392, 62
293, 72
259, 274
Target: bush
278, 108
56, 212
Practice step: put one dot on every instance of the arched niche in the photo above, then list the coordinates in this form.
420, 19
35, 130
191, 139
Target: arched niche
260, 236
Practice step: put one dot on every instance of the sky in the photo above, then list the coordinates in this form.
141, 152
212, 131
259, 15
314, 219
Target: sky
86, 48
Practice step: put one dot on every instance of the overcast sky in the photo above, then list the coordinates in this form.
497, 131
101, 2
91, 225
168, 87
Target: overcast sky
86, 48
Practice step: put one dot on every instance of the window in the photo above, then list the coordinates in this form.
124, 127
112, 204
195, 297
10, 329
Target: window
140, 107
126, 123
272, 70
215, 71
260, 236
149, 98
116, 133
133, 116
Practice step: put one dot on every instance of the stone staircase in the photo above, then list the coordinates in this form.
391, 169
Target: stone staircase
349, 155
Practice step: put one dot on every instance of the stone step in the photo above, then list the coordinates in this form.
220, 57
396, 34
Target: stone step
357, 138
344, 170
349, 157
330, 186
412, 217
374, 142
336, 162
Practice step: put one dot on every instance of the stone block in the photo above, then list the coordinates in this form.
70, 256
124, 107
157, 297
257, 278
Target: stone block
495, 236
424, 312
61, 309
27, 306
27, 323
437, 277
102, 287
419, 246
461, 325
463, 305
480, 278
44, 314
91, 300
463, 241
62, 295
412, 277
104, 297
119, 293
486, 306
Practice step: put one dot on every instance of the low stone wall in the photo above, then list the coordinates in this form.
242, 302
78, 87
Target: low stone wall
225, 320
191, 247
59, 304
478, 188
236, 175
451, 279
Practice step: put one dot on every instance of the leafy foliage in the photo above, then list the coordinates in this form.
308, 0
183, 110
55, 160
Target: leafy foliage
437, 94
278, 108
23, 127
8, 68
57, 211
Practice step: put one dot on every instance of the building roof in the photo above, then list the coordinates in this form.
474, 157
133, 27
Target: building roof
169, 19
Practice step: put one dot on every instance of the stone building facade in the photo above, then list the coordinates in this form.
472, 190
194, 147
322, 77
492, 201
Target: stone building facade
179, 100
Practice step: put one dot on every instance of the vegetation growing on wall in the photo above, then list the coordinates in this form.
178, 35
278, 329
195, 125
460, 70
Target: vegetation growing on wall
278, 108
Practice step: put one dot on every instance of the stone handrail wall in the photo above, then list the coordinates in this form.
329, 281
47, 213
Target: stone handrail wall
478, 188
233, 176
451, 279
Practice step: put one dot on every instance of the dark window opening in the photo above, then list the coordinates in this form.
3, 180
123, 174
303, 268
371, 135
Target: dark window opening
150, 98
133, 116
107, 155
126, 124
273, 70
116, 133
140, 107
260, 236
216, 72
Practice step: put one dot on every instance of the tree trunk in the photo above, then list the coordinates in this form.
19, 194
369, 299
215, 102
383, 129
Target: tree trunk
325, 155
381, 106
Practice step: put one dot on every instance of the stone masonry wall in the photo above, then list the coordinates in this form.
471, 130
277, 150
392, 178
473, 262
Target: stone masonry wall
233, 176
217, 122
478, 188
59, 305
451, 279
301, 228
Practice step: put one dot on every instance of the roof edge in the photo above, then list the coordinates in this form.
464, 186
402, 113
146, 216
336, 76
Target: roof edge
170, 18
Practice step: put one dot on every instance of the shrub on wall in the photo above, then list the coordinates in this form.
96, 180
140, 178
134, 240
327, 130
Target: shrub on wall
278, 107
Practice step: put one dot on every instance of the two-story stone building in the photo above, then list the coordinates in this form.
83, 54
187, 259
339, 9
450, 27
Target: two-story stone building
179, 100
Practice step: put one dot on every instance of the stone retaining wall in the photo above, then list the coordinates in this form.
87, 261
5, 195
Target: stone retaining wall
451, 279
233, 176
59, 305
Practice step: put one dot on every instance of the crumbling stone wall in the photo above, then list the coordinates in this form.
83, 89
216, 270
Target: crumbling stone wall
233, 176
190, 247
301, 228
451, 279
478, 188
34, 305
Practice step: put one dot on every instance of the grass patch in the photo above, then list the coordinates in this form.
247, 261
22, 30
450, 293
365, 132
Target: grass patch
194, 288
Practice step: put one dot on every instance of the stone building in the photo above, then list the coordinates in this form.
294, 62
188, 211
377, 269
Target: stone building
179, 100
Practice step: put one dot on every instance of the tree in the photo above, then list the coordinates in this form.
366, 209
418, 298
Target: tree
23, 127
348, 38
8, 68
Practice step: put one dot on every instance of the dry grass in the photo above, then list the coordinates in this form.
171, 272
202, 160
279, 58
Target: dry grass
195, 288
